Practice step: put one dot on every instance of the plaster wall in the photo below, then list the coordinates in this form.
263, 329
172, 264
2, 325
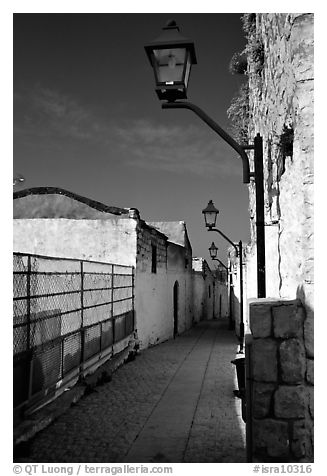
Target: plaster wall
50, 202
108, 241
154, 321
204, 294
180, 271
209, 284
198, 296
221, 300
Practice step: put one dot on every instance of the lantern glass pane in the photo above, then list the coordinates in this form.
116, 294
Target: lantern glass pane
187, 69
210, 218
169, 65
213, 250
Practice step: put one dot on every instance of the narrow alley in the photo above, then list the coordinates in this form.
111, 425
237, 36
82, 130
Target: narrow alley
173, 403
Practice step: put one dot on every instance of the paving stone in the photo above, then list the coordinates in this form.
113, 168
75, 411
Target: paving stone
107, 424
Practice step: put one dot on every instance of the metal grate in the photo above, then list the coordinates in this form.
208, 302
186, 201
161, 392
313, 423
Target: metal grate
65, 312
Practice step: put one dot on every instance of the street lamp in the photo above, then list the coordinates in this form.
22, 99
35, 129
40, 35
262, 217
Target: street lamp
210, 213
171, 57
213, 251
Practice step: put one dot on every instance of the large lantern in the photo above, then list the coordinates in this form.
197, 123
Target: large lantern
171, 57
210, 215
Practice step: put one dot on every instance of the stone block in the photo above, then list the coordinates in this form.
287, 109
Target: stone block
302, 47
271, 436
290, 402
309, 334
262, 397
311, 401
288, 319
264, 360
292, 361
300, 439
260, 320
310, 371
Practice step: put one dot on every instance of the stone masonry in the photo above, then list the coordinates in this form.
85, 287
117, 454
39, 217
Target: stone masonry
280, 72
279, 383
281, 101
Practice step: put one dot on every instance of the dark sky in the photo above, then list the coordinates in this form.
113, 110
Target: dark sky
87, 119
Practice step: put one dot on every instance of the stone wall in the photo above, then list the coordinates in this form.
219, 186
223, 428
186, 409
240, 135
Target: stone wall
280, 73
281, 110
279, 383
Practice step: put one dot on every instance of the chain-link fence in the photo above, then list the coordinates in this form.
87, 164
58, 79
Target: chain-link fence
67, 313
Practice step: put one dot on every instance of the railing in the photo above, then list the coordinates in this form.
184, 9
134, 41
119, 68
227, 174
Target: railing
68, 315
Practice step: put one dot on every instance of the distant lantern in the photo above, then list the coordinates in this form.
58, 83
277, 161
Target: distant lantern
213, 250
210, 215
171, 56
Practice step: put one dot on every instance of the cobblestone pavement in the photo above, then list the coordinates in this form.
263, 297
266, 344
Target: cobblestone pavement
180, 391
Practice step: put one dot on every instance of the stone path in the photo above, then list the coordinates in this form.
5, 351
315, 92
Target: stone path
173, 403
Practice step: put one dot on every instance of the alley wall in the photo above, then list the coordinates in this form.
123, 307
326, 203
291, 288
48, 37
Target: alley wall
280, 72
281, 110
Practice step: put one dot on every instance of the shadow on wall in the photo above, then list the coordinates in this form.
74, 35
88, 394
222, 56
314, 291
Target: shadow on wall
234, 317
305, 295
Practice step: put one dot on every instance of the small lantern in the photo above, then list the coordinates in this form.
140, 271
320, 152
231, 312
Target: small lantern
213, 250
171, 57
210, 215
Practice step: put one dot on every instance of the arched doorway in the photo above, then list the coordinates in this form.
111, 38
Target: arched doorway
175, 300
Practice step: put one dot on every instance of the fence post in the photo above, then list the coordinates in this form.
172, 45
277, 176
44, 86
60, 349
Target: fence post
28, 303
82, 318
112, 306
28, 326
133, 296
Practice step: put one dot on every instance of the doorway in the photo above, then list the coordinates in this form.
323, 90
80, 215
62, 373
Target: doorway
175, 300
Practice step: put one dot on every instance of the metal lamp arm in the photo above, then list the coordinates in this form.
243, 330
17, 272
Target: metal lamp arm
222, 264
223, 134
226, 238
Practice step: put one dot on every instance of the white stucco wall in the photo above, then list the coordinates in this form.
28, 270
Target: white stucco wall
204, 302
181, 272
154, 301
221, 300
108, 241
198, 297
153, 321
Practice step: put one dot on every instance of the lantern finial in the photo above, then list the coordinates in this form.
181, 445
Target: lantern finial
170, 24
